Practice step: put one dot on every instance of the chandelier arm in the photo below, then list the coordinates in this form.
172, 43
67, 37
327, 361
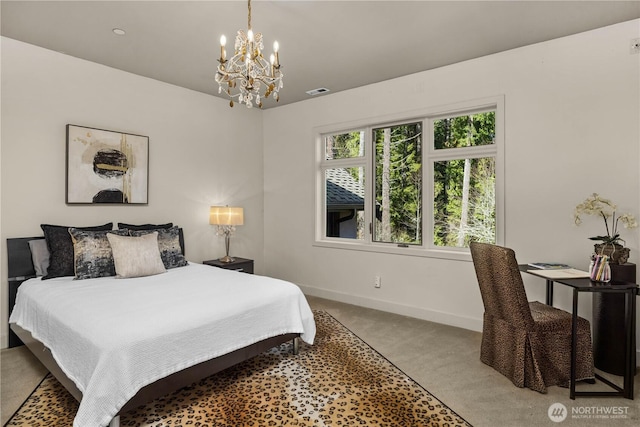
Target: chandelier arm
267, 81
232, 75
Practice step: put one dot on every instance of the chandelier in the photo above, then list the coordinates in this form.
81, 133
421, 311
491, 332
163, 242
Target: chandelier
248, 72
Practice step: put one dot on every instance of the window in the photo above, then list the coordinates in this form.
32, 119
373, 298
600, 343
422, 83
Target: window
398, 184
464, 173
344, 187
427, 185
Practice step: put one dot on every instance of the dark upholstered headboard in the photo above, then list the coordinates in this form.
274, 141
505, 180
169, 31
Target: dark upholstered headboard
20, 268
20, 264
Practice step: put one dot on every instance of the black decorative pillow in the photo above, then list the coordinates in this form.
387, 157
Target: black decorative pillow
169, 245
61, 248
154, 227
144, 226
92, 253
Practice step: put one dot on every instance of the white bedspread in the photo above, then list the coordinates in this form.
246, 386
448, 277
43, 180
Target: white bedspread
114, 336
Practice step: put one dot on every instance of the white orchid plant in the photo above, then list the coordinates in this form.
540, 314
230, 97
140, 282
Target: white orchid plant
596, 205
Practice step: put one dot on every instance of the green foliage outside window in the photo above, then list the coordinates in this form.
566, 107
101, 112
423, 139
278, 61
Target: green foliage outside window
344, 146
464, 203
398, 193
464, 189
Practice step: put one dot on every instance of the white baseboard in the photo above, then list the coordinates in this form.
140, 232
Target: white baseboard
464, 322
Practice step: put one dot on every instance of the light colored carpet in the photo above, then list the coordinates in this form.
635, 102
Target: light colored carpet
443, 359
20, 373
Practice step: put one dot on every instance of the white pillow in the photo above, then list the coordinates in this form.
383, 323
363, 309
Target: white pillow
136, 256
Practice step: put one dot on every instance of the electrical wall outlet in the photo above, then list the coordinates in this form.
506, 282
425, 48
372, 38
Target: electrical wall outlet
378, 282
634, 46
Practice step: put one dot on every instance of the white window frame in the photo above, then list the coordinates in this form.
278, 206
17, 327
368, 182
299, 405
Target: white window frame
430, 156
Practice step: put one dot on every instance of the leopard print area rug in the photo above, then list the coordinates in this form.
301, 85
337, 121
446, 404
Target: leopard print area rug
339, 381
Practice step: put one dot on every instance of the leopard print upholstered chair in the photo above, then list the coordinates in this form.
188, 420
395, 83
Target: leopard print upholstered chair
528, 342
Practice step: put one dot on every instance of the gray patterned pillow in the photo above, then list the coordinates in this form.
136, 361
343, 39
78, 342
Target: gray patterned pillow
154, 227
92, 253
169, 245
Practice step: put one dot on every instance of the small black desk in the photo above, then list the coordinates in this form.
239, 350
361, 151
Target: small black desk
585, 285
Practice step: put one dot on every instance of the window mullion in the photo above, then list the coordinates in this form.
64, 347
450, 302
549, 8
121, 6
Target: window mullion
369, 185
427, 188
344, 163
463, 153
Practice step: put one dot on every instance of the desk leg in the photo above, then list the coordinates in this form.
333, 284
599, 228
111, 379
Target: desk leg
629, 330
574, 345
549, 292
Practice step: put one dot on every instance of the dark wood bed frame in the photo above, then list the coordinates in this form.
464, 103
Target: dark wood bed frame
20, 268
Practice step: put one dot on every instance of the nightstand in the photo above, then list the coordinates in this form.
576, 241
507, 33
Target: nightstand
240, 264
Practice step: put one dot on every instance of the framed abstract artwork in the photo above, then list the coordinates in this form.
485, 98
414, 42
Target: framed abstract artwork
106, 167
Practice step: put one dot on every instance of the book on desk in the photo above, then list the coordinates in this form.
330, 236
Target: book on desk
549, 265
560, 273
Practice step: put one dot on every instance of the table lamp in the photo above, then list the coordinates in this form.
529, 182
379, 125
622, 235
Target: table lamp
226, 218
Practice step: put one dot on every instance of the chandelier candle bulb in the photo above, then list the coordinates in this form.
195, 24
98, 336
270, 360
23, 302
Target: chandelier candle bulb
223, 42
276, 47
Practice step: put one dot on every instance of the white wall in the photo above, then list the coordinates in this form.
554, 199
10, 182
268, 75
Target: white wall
572, 108
201, 152
571, 128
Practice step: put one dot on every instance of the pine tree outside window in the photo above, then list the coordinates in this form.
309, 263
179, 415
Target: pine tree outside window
424, 186
398, 184
464, 173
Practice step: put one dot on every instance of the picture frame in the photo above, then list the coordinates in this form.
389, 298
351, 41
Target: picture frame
106, 167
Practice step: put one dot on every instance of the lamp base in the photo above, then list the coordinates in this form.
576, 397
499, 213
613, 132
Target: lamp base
226, 258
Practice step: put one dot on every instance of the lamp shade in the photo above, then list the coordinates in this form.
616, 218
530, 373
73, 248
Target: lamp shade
226, 215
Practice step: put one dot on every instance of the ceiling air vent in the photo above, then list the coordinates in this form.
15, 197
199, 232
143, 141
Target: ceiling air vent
318, 91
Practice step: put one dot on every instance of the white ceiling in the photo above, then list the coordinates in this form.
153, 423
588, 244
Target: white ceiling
334, 44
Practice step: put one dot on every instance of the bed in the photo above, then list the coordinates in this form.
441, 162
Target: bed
117, 343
